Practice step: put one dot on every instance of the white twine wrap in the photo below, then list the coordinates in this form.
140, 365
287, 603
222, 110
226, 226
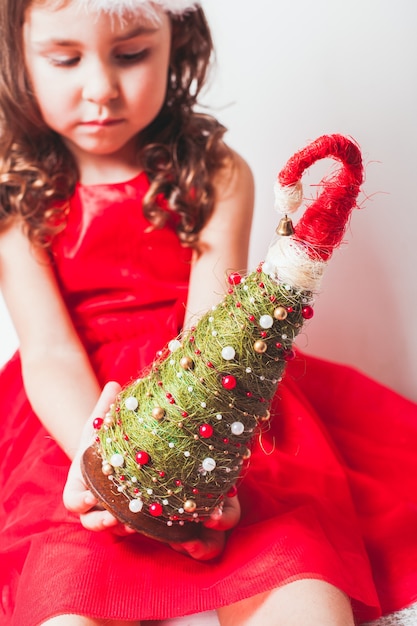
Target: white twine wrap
288, 198
121, 7
289, 263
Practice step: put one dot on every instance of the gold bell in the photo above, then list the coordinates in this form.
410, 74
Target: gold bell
285, 227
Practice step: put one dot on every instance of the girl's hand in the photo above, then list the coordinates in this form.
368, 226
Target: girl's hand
213, 536
77, 498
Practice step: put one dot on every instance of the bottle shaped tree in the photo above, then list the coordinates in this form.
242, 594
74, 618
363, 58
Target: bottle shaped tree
178, 439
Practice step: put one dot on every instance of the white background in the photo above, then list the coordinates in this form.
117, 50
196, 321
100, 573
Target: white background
289, 71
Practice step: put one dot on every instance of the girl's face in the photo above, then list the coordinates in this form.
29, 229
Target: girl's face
98, 80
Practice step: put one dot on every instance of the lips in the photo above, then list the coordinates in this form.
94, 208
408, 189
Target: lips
101, 123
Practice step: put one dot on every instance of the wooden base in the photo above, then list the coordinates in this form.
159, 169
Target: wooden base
118, 505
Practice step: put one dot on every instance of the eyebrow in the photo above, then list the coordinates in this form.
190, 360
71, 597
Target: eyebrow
136, 32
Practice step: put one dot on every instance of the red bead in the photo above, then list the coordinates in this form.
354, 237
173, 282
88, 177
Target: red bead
126, 437
251, 318
234, 278
184, 414
205, 430
228, 382
232, 492
178, 482
162, 474
238, 305
249, 394
98, 423
307, 312
290, 355
278, 345
171, 400
225, 440
155, 509
198, 352
195, 490
142, 457
168, 395
209, 364
290, 309
272, 298
261, 285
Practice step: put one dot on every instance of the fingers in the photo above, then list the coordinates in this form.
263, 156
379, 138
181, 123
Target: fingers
210, 545
213, 537
226, 517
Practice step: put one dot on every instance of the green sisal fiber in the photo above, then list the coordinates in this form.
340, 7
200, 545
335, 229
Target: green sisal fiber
198, 410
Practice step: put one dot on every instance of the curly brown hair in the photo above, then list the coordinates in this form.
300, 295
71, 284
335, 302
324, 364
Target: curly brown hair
180, 151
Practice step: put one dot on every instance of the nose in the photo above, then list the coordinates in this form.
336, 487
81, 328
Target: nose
101, 85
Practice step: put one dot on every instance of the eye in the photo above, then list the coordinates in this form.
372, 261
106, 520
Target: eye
64, 61
132, 57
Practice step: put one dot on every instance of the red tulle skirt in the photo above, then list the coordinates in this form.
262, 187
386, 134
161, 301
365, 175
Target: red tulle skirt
330, 493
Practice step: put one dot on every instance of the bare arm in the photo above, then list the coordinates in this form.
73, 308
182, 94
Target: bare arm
224, 240
58, 378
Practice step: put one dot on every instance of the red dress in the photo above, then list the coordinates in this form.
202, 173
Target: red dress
331, 491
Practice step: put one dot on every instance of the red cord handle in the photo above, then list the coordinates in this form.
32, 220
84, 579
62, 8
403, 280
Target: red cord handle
323, 224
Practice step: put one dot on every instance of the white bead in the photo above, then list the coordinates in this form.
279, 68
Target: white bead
214, 333
165, 502
173, 345
219, 416
169, 523
211, 319
237, 428
190, 389
208, 464
171, 445
266, 321
284, 336
181, 510
149, 492
228, 353
186, 453
131, 403
203, 405
135, 505
117, 460
248, 370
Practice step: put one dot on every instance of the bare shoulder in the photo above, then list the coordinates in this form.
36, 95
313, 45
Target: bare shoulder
235, 178
234, 188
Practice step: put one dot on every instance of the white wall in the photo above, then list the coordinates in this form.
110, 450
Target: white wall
289, 71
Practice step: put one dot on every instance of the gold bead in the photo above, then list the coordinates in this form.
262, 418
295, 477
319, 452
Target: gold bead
108, 420
187, 363
158, 413
247, 454
190, 506
107, 469
280, 313
260, 346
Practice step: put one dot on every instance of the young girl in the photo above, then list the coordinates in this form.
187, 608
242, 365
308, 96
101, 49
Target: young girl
118, 204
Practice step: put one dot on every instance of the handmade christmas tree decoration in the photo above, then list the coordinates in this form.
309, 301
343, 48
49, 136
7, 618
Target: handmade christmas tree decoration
177, 440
